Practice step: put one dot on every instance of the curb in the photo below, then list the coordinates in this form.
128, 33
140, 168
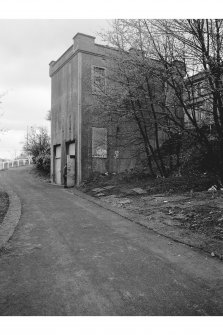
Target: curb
196, 241
11, 218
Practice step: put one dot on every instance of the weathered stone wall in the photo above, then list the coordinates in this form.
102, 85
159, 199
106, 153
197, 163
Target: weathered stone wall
64, 106
74, 114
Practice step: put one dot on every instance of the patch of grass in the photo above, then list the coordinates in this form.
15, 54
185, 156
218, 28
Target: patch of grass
4, 205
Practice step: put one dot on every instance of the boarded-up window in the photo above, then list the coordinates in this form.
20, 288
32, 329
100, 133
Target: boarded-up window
99, 142
98, 79
71, 149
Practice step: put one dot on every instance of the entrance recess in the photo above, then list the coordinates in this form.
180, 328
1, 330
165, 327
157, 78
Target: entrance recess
70, 164
57, 165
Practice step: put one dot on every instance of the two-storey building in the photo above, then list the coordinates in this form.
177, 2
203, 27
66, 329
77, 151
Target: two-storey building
77, 138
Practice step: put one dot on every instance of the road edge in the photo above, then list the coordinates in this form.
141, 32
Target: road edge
11, 218
196, 241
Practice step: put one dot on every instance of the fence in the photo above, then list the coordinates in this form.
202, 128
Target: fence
15, 163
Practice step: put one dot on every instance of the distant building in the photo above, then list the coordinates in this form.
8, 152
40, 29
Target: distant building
199, 101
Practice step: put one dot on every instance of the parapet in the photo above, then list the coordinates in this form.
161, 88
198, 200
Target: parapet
81, 43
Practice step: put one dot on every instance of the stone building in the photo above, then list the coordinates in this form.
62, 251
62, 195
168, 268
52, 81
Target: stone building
79, 136
76, 138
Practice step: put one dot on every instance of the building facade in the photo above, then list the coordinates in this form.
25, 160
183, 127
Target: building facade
80, 137
77, 138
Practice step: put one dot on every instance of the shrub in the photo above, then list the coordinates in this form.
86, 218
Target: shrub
42, 162
38, 146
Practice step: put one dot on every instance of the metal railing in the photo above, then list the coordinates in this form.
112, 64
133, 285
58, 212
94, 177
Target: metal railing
15, 163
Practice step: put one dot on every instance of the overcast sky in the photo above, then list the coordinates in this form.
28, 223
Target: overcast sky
27, 47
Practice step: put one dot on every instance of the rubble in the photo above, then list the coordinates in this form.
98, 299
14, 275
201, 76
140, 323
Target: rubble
124, 201
199, 215
139, 190
96, 190
213, 189
127, 191
108, 187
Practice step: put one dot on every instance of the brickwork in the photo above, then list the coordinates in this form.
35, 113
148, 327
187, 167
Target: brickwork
74, 113
71, 101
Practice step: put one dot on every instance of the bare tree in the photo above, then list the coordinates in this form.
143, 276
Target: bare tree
198, 45
137, 94
184, 59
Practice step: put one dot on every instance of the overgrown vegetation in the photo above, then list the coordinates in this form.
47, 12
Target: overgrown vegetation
171, 185
4, 204
37, 145
166, 78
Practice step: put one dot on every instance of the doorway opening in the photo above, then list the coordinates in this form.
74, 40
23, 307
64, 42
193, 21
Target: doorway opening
71, 164
57, 164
